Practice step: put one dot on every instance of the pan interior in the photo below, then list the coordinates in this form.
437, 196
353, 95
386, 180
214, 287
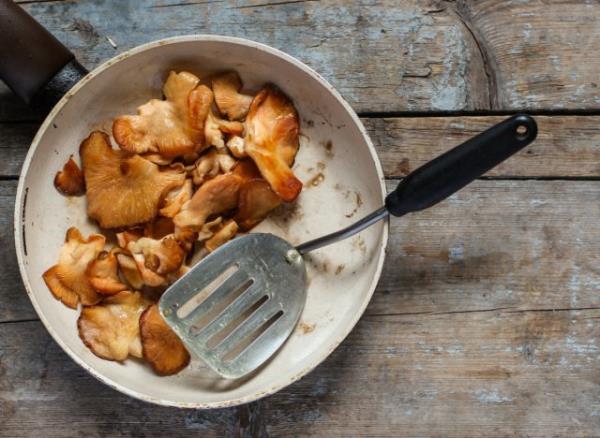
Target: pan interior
343, 182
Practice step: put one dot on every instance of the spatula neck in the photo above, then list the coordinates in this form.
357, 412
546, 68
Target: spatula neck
342, 234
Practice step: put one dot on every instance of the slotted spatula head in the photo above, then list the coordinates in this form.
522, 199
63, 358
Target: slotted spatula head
238, 305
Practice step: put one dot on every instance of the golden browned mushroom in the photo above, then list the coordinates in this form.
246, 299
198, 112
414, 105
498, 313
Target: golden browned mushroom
130, 271
215, 127
170, 127
224, 235
176, 198
209, 228
272, 140
156, 258
237, 147
67, 279
123, 190
111, 330
69, 181
228, 98
257, 199
216, 196
160, 345
124, 237
103, 275
159, 228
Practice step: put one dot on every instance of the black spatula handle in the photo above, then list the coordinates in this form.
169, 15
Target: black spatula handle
450, 172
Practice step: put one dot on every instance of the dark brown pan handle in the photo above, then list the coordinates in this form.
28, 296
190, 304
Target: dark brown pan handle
33, 63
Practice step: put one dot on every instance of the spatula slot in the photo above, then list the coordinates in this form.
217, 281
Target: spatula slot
203, 294
216, 339
215, 311
246, 342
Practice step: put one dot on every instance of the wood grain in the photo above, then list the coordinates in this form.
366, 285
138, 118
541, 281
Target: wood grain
14, 303
381, 55
567, 146
461, 375
538, 54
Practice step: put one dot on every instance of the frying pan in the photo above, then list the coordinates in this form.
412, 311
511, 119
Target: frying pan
336, 161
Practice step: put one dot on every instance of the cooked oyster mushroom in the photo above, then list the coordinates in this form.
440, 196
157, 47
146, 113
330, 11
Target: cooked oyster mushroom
216, 196
171, 127
103, 274
123, 190
224, 235
176, 198
111, 330
215, 128
160, 345
67, 279
272, 140
228, 98
156, 258
69, 181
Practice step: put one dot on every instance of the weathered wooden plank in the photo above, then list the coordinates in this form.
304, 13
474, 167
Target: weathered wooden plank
496, 244
567, 146
15, 139
475, 374
36, 376
14, 303
382, 56
537, 54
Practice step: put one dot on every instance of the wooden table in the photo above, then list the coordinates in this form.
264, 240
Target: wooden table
487, 318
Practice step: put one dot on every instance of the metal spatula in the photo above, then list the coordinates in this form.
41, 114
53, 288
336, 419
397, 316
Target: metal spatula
237, 306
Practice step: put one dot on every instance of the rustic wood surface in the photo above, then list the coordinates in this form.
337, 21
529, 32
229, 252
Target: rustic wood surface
486, 321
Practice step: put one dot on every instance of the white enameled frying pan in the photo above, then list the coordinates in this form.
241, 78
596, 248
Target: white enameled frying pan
335, 154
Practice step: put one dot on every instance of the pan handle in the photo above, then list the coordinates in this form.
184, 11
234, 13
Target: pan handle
450, 172
33, 63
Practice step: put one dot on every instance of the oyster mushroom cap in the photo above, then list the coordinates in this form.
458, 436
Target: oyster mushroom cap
215, 128
224, 235
228, 98
111, 330
123, 190
130, 271
272, 140
175, 199
67, 280
69, 181
169, 127
257, 199
215, 196
103, 275
160, 345
156, 258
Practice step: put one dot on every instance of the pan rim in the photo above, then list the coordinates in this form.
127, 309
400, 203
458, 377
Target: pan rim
19, 200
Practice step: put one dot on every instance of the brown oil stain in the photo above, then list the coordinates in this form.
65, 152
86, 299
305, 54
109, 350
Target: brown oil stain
306, 328
316, 180
329, 149
358, 203
359, 244
339, 269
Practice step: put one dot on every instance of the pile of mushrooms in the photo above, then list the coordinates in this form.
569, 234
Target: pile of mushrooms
191, 171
